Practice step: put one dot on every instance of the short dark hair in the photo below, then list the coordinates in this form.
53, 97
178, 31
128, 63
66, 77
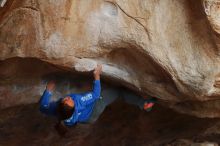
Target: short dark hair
64, 111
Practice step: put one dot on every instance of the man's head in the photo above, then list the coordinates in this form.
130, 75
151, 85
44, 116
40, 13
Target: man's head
66, 108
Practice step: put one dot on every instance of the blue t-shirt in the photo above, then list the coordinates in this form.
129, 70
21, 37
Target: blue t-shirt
83, 103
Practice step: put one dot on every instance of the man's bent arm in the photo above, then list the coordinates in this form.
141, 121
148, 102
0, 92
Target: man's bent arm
47, 107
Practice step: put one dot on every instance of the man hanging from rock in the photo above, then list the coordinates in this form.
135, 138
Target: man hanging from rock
87, 107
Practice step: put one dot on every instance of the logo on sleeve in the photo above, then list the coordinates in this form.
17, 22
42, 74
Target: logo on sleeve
86, 97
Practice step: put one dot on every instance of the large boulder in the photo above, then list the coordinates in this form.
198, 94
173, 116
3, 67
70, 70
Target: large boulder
164, 48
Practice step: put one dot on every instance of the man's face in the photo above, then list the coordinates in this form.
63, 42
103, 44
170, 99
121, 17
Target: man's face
68, 101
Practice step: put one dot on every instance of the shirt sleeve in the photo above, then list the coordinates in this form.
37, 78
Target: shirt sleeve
92, 96
47, 107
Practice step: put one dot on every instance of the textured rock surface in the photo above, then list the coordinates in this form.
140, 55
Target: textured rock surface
165, 48
136, 128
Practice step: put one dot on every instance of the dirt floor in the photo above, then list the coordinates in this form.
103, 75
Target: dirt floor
120, 125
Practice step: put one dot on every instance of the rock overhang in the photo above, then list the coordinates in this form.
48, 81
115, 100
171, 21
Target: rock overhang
143, 45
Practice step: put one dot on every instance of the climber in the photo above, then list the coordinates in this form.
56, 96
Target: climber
86, 107
71, 108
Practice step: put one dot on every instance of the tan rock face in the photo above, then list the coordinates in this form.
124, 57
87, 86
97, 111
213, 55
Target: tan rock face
165, 48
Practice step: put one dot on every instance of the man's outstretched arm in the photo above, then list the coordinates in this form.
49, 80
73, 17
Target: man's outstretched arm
47, 107
95, 94
97, 85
